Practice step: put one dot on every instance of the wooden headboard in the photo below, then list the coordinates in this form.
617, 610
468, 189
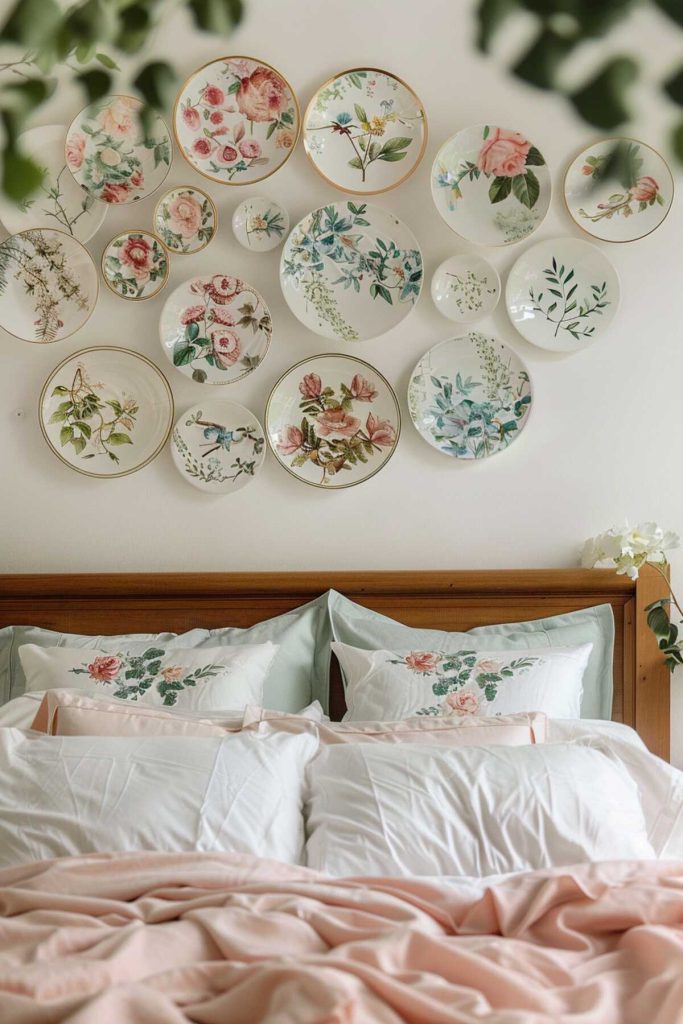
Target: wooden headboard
97, 603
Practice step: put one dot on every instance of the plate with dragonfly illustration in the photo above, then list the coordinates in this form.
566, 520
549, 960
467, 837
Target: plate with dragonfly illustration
236, 120
365, 131
618, 189
562, 294
48, 285
491, 185
135, 265
218, 446
185, 219
351, 271
106, 412
58, 202
333, 421
215, 329
470, 397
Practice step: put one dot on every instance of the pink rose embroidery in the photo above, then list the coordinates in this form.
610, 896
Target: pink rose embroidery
464, 702
226, 154
379, 431
291, 439
225, 345
488, 665
75, 148
423, 662
173, 673
311, 385
250, 149
216, 117
202, 147
646, 188
362, 390
185, 215
191, 118
336, 423
504, 154
192, 314
261, 95
223, 289
213, 95
136, 253
104, 668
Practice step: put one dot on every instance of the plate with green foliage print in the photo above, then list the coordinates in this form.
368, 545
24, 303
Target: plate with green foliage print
470, 397
562, 294
106, 412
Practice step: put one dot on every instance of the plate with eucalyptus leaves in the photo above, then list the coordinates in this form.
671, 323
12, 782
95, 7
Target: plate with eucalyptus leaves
218, 446
562, 294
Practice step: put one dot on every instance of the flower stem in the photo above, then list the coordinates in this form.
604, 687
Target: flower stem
666, 580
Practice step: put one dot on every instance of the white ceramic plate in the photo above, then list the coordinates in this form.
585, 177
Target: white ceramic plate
470, 397
236, 120
623, 204
107, 153
465, 288
491, 185
59, 202
333, 421
185, 219
135, 265
365, 131
48, 285
106, 412
215, 329
218, 446
562, 294
260, 224
351, 271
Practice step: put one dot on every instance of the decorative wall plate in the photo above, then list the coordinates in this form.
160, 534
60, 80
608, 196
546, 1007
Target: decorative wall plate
236, 120
135, 265
107, 153
48, 285
260, 224
470, 397
465, 288
185, 219
106, 411
625, 203
562, 294
491, 185
351, 271
215, 329
365, 131
218, 446
59, 202
333, 421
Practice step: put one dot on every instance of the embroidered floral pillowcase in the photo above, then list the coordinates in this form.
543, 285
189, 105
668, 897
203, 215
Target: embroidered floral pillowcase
193, 679
385, 686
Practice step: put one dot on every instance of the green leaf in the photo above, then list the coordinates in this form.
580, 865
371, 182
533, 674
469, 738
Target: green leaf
107, 61
30, 23
65, 435
360, 112
391, 157
355, 162
540, 64
400, 142
217, 16
90, 23
79, 444
156, 84
677, 141
21, 176
192, 332
59, 390
526, 188
534, 158
135, 24
673, 9
499, 189
674, 87
95, 83
199, 376
490, 16
119, 438
602, 102
183, 354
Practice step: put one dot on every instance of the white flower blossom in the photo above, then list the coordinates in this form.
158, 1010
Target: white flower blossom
627, 548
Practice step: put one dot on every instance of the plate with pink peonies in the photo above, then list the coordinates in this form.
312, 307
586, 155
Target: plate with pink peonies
185, 219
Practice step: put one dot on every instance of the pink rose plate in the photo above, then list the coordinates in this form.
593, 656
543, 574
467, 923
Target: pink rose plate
135, 265
185, 219
236, 120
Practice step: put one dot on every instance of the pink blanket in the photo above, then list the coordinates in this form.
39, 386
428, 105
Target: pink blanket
219, 939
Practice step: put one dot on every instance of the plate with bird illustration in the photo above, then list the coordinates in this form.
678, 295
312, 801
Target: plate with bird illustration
218, 446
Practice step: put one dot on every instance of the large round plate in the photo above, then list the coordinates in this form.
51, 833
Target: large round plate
365, 131
185, 219
625, 203
215, 329
135, 265
236, 120
351, 271
218, 446
59, 202
109, 155
333, 421
491, 185
470, 397
562, 294
48, 285
106, 411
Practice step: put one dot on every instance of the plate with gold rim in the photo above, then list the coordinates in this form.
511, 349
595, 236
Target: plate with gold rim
135, 265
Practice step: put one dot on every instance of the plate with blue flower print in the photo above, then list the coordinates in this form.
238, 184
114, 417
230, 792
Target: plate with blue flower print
470, 397
491, 185
351, 271
218, 446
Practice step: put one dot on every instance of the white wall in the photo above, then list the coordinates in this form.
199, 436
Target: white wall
603, 442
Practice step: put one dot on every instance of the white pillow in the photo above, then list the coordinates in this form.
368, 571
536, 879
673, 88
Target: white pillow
67, 795
387, 810
385, 686
192, 679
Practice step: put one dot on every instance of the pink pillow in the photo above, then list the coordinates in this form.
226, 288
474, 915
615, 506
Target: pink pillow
504, 731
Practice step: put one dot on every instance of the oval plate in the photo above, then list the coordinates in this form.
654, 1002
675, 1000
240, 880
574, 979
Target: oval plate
185, 219
106, 412
351, 271
135, 265
333, 421
470, 397
491, 185
218, 446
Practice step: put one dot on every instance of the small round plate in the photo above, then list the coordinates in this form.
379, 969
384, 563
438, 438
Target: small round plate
108, 154
218, 446
185, 219
491, 185
135, 265
562, 294
351, 271
623, 204
333, 421
470, 397
106, 412
59, 202
48, 285
236, 120
465, 288
215, 329
365, 131
260, 224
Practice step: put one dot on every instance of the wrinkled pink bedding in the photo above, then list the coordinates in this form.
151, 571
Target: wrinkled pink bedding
221, 939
